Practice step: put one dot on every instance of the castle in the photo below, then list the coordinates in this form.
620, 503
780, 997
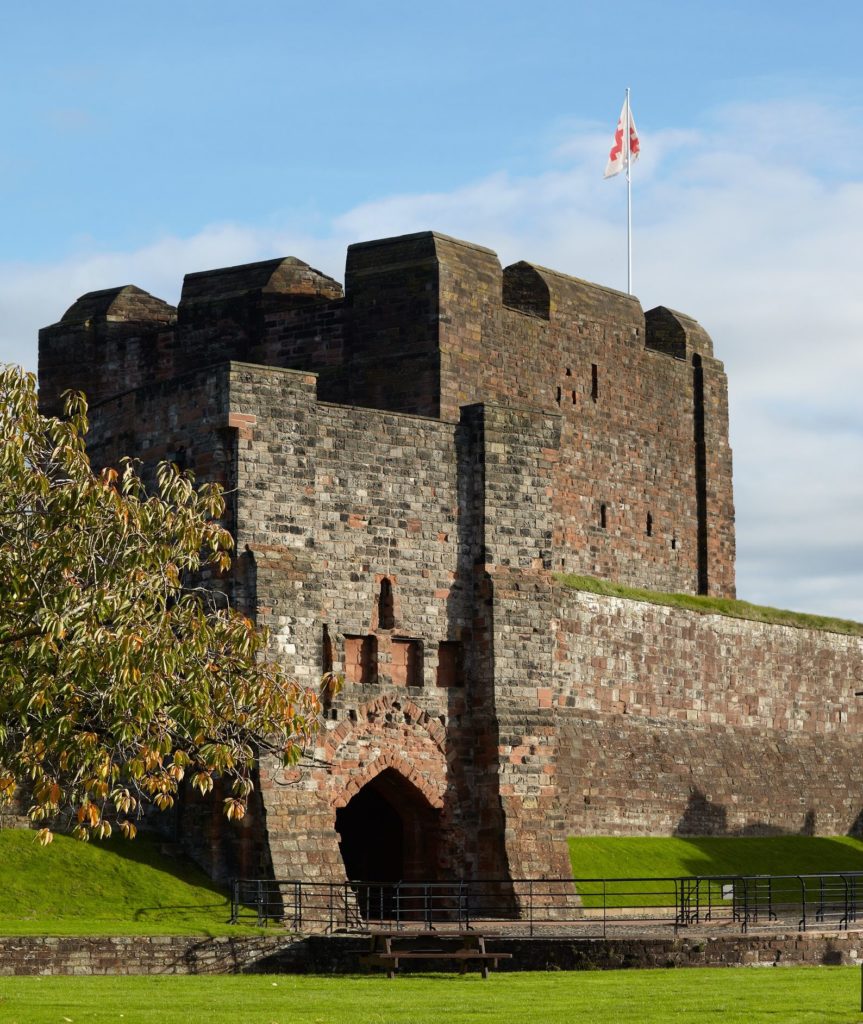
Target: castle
410, 466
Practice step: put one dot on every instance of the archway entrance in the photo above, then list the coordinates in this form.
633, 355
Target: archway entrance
372, 838
389, 832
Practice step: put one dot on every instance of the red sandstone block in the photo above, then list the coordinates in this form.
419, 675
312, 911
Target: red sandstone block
240, 419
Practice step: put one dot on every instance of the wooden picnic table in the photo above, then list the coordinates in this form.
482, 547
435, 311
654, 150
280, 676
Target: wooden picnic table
470, 946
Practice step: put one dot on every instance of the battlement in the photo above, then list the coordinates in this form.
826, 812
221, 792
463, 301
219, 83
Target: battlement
252, 290
429, 324
119, 305
406, 301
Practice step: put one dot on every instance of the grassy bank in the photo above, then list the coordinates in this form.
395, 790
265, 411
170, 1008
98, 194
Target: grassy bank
714, 606
674, 857
111, 888
643, 857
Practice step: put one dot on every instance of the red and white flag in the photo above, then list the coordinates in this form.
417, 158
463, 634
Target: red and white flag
617, 158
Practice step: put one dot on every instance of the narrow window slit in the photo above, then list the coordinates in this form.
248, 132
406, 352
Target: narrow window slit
386, 616
326, 652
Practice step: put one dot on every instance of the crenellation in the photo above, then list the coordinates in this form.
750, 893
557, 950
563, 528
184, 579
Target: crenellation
107, 342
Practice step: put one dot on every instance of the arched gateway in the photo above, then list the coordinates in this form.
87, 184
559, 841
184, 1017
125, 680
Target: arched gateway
388, 832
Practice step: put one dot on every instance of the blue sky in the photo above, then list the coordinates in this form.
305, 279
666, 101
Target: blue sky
141, 143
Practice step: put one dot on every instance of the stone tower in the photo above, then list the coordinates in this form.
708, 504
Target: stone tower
410, 465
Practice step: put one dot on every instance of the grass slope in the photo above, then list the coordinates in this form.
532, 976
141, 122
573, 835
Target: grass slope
642, 857
673, 857
792, 995
714, 605
111, 888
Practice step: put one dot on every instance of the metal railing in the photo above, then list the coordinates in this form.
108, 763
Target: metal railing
587, 907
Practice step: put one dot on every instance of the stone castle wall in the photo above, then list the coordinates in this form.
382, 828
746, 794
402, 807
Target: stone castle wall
428, 325
643, 483
654, 720
446, 437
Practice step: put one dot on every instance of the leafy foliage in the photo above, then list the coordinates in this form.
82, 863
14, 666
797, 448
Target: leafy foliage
122, 668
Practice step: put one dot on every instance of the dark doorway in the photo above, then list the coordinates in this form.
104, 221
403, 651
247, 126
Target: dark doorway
372, 838
388, 834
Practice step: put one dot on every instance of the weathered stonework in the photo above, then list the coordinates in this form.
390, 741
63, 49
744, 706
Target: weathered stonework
40, 955
408, 465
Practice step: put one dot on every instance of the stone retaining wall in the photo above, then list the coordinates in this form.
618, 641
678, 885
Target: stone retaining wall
48, 955
134, 954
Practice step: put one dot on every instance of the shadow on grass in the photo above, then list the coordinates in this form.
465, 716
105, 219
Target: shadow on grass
759, 848
148, 851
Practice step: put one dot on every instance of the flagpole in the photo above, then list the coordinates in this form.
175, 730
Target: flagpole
626, 135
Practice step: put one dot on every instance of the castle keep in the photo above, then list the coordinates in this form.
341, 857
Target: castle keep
409, 464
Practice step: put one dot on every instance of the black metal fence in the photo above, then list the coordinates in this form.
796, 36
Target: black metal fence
588, 907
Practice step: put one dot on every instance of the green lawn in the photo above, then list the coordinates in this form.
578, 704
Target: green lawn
641, 857
112, 888
787, 995
713, 605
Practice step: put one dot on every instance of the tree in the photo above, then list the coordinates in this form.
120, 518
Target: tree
122, 669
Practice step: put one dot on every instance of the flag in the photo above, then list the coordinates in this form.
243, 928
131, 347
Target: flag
617, 156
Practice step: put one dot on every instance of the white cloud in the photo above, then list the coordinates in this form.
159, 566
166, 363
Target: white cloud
747, 223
